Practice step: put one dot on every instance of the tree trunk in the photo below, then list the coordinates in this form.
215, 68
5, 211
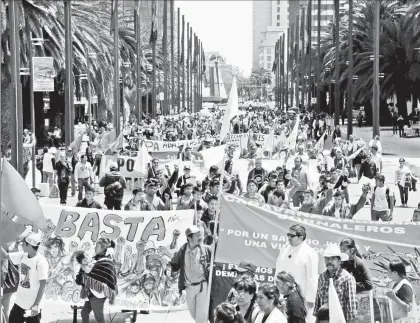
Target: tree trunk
401, 101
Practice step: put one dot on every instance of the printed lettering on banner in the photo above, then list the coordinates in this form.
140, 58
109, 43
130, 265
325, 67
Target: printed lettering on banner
145, 244
126, 166
261, 244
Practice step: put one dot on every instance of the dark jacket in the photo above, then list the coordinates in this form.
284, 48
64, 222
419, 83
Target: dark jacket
110, 178
177, 264
360, 272
64, 171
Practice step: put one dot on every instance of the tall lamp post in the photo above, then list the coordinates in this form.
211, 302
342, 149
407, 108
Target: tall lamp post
376, 102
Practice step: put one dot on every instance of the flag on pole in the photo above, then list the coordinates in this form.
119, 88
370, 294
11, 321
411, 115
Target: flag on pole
118, 143
76, 144
181, 60
336, 312
293, 136
195, 64
154, 29
143, 158
18, 199
276, 55
232, 109
302, 29
308, 40
107, 140
203, 59
114, 15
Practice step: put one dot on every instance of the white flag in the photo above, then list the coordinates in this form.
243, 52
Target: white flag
231, 111
336, 312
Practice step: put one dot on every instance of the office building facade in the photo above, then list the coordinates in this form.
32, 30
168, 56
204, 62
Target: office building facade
270, 20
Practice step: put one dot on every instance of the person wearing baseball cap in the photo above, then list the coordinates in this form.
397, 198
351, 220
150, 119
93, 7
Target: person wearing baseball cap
344, 283
34, 274
192, 261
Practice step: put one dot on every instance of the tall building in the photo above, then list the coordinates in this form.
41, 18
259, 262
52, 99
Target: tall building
269, 20
327, 14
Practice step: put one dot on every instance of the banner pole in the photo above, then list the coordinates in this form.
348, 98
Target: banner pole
213, 247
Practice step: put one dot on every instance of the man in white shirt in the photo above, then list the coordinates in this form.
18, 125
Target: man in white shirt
83, 174
377, 158
382, 201
299, 258
33, 279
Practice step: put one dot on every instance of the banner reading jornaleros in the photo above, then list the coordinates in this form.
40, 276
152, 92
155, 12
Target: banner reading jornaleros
257, 232
145, 244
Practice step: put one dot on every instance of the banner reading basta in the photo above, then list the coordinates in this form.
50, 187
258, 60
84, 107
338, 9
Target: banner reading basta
145, 244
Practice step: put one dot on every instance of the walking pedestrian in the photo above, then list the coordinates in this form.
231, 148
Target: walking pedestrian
99, 282
83, 173
300, 259
33, 279
114, 185
62, 173
192, 261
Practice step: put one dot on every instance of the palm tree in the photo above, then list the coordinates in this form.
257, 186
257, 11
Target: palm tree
399, 61
45, 19
261, 77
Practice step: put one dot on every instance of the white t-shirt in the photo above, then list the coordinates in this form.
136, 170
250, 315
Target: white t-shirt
31, 270
380, 203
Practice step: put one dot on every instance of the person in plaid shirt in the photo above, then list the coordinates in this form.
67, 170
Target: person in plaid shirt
344, 284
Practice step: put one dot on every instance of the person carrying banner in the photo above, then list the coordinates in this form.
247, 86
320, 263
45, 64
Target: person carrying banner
344, 283
300, 259
252, 192
245, 271
192, 261
33, 279
89, 202
258, 174
138, 202
100, 283
114, 185
227, 313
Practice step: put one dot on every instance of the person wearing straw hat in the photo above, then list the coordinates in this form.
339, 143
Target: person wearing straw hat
192, 261
33, 279
344, 283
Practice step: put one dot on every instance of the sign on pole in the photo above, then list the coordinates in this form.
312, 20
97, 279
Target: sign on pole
43, 73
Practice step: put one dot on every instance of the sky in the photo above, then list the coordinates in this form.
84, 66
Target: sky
223, 26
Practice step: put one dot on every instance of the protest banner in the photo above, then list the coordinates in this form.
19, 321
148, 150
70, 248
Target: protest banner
169, 149
126, 166
145, 243
377, 242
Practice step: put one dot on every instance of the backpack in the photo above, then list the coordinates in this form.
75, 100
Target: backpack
387, 197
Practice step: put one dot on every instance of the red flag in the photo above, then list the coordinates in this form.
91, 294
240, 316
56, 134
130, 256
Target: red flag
17, 198
154, 29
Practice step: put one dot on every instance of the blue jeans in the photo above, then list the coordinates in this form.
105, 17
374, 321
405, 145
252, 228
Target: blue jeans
83, 182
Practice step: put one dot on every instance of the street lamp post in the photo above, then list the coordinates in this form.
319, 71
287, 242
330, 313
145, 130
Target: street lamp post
376, 102
350, 73
337, 62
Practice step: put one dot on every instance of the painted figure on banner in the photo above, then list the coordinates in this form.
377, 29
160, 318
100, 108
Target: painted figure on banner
144, 245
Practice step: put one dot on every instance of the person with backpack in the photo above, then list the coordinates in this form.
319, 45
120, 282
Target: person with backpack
114, 185
383, 201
